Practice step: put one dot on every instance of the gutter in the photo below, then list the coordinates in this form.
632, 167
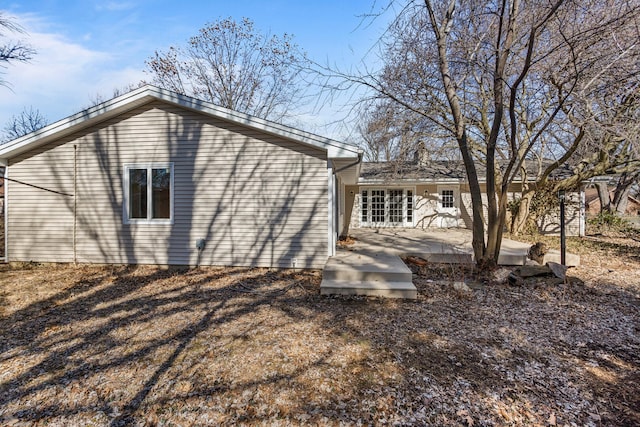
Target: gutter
357, 162
410, 181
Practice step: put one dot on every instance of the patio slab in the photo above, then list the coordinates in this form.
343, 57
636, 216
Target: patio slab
451, 245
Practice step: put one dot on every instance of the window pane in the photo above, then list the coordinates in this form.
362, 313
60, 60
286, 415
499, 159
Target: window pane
447, 199
137, 193
395, 206
409, 206
365, 207
161, 196
377, 206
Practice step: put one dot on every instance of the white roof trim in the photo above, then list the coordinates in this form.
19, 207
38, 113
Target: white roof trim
148, 93
399, 181
427, 181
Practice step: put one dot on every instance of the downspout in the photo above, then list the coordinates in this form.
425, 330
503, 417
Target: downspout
75, 201
5, 208
333, 214
331, 244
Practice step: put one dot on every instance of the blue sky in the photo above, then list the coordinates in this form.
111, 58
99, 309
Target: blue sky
87, 48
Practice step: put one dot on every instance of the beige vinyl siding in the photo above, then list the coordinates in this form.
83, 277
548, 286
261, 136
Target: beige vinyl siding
256, 199
40, 223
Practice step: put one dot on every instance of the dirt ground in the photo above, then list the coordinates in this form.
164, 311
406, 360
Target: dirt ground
113, 346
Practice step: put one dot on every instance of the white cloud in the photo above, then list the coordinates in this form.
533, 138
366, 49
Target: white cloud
62, 76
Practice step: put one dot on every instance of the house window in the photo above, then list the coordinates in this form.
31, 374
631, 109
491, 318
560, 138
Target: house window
446, 199
148, 193
386, 207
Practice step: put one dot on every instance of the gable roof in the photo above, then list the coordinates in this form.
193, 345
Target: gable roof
148, 93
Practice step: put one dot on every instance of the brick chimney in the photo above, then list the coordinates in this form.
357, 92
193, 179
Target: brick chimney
421, 156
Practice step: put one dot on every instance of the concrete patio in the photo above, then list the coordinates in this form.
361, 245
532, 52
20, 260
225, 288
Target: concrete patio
372, 265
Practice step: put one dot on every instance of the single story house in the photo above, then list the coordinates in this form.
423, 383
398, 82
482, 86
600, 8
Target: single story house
434, 194
155, 177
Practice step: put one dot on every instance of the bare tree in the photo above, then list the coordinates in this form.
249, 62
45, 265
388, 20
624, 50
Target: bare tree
603, 142
99, 98
27, 121
512, 82
232, 65
11, 50
374, 130
388, 132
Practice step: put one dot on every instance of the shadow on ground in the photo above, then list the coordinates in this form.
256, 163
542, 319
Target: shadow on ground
142, 345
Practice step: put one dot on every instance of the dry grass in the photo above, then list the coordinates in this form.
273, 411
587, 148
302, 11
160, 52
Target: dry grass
96, 345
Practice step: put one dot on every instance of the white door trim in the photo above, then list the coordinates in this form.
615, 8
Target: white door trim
382, 210
448, 206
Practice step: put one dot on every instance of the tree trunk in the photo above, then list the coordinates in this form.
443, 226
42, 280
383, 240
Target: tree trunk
497, 202
623, 189
477, 239
521, 219
441, 32
603, 195
621, 199
502, 220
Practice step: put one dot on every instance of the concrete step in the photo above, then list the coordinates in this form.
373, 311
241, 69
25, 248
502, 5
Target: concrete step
353, 274
554, 255
380, 288
451, 257
366, 266
512, 256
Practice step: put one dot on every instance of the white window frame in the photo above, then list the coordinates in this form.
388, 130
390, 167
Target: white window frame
125, 202
443, 199
387, 204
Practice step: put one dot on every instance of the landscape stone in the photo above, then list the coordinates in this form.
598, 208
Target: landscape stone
533, 270
559, 270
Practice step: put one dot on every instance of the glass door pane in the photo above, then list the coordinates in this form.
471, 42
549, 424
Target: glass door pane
395, 207
364, 215
377, 206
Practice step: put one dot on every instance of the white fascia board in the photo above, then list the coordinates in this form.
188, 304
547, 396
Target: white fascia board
364, 181
335, 149
75, 122
334, 152
410, 181
144, 94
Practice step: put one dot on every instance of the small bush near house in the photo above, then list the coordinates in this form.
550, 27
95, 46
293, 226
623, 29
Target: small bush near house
607, 221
